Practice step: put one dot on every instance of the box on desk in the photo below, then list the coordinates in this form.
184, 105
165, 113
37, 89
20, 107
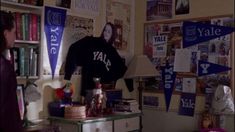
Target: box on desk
111, 95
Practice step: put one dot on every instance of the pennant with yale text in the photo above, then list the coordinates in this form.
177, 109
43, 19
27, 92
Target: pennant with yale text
168, 77
197, 32
54, 26
187, 104
206, 68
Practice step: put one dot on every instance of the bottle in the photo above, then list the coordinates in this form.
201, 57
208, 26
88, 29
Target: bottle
98, 97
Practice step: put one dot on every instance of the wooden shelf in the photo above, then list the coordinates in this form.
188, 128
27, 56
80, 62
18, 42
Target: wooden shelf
19, 5
26, 42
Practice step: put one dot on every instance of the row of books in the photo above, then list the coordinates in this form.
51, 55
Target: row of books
27, 26
29, 2
126, 105
26, 61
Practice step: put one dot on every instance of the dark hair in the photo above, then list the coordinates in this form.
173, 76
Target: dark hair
114, 33
6, 23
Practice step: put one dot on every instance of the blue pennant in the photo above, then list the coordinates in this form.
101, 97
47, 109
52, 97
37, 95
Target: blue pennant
206, 68
187, 104
197, 32
168, 77
54, 26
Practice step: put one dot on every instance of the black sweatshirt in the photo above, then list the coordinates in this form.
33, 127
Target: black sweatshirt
97, 59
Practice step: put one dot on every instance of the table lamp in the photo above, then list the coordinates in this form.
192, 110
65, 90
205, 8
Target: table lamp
140, 67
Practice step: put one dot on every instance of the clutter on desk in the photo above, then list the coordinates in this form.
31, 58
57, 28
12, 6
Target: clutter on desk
126, 105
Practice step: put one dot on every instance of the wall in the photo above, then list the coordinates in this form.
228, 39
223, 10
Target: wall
157, 119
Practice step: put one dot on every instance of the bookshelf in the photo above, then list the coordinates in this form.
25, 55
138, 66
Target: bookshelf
26, 52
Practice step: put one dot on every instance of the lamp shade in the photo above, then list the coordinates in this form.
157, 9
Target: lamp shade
139, 67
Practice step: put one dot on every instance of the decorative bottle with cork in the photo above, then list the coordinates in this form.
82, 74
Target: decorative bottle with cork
95, 106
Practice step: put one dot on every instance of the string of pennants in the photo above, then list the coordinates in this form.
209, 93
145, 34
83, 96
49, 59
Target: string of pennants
193, 34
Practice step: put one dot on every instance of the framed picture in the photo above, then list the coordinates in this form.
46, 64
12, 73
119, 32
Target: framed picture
20, 98
158, 9
150, 101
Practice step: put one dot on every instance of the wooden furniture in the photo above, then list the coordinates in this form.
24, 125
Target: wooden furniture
28, 37
118, 122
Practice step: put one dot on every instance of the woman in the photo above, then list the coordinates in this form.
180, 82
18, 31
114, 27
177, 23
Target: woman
9, 110
97, 57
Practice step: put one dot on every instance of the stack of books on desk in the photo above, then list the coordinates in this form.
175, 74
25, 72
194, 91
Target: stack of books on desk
126, 105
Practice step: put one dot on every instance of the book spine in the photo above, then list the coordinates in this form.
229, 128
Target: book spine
27, 26
34, 27
35, 63
30, 27
16, 60
26, 62
21, 58
31, 61
18, 25
23, 26
38, 27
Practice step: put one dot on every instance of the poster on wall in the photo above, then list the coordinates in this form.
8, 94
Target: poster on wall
91, 7
120, 14
182, 7
75, 29
158, 9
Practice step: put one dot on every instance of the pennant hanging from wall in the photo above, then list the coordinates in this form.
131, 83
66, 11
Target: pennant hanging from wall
168, 77
187, 104
197, 32
206, 68
54, 26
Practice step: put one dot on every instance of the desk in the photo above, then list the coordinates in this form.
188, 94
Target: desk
118, 122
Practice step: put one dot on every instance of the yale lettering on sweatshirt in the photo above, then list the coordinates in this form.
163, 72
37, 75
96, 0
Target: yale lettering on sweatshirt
100, 56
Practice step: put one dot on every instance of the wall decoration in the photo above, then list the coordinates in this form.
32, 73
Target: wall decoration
186, 59
187, 104
168, 78
91, 7
197, 32
158, 9
54, 27
120, 15
182, 7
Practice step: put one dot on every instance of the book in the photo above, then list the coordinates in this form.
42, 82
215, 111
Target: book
21, 62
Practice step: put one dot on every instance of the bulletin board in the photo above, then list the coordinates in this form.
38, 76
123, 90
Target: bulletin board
169, 37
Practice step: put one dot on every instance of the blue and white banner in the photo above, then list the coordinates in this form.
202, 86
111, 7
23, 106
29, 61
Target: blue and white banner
187, 104
54, 26
168, 77
206, 68
197, 32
